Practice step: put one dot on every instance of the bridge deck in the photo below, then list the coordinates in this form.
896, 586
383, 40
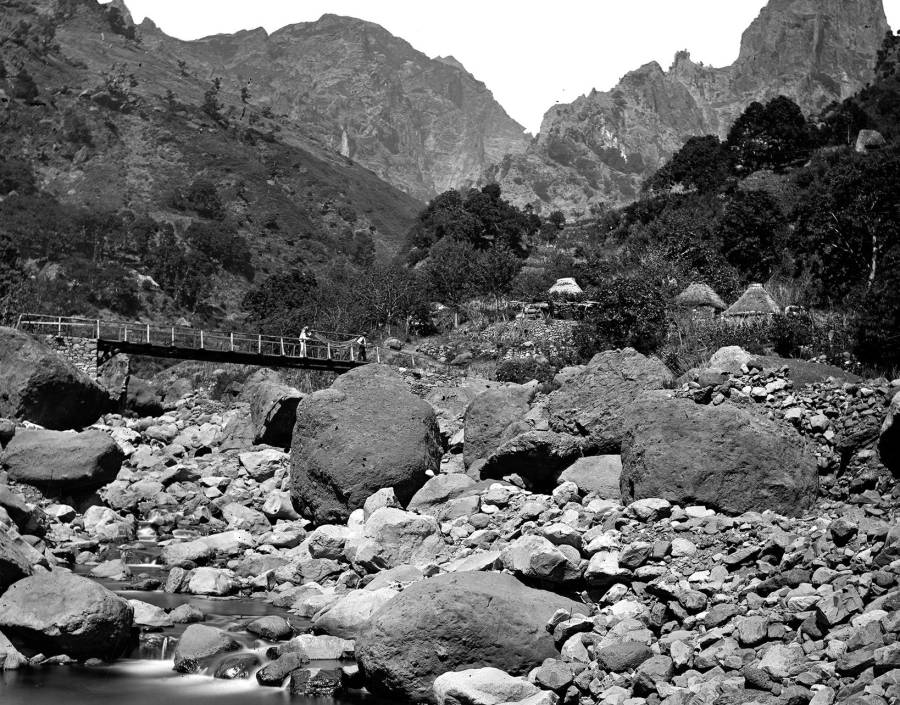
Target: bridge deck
319, 352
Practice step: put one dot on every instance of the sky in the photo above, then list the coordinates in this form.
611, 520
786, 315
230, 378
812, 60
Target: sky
529, 54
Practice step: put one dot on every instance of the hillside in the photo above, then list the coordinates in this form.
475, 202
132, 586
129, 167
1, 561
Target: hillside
598, 150
113, 128
424, 125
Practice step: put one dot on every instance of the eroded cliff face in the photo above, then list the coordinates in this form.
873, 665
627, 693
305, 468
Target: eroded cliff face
598, 149
424, 125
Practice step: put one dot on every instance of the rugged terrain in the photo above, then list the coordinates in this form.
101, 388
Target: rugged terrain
598, 149
522, 566
424, 125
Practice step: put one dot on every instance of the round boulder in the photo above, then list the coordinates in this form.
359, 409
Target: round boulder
453, 622
62, 613
592, 402
724, 457
364, 433
38, 385
64, 461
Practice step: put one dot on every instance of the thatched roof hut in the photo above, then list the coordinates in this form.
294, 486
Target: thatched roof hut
700, 296
566, 286
756, 301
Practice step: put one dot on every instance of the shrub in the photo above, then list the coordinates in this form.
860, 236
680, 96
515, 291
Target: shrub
202, 197
524, 370
222, 244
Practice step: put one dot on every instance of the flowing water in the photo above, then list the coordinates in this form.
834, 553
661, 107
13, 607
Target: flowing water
146, 676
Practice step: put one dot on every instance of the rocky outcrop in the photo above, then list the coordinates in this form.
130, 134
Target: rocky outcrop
199, 644
453, 622
599, 148
14, 563
493, 417
364, 433
39, 386
62, 461
424, 125
889, 438
62, 613
590, 403
142, 399
726, 457
273, 408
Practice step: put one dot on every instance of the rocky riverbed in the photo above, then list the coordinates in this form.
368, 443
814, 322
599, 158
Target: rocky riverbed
621, 538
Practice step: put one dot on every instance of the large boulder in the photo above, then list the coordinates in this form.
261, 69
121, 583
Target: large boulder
393, 537
62, 613
598, 474
364, 433
350, 614
453, 622
481, 686
591, 403
273, 408
724, 457
62, 461
14, 562
38, 385
199, 645
142, 399
889, 439
538, 457
495, 416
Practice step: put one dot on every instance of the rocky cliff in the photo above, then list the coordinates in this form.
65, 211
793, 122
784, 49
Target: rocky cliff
424, 125
599, 148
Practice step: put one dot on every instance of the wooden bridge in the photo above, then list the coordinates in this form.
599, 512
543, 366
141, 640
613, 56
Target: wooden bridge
332, 352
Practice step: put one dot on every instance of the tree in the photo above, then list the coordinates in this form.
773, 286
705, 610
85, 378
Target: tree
703, 164
494, 271
23, 85
449, 272
769, 136
848, 224
389, 293
211, 104
202, 197
752, 230
283, 303
630, 312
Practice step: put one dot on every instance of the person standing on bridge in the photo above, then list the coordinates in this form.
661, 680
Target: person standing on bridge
304, 336
361, 348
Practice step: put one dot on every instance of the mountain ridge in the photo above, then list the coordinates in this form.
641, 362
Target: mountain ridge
597, 150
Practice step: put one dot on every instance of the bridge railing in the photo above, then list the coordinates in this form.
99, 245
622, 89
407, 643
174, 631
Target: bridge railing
188, 338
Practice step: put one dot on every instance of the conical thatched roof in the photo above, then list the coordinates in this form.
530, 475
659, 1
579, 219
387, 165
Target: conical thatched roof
697, 295
566, 285
756, 301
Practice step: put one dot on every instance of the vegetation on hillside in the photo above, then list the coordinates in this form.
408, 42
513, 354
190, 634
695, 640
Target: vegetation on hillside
784, 200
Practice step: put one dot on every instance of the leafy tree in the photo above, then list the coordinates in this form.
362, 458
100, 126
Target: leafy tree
222, 244
450, 272
389, 293
283, 303
15, 175
558, 219
202, 197
631, 312
848, 224
494, 271
211, 104
752, 229
703, 164
769, 136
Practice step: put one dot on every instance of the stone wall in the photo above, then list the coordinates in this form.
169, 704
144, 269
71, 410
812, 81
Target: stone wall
81, 352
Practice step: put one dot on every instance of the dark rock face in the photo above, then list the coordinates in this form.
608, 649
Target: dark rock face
14, 564
424, 125
273, 408
454, 622
590, 403
59, 460
538, 457
38, 385
142, 399
603, 145
366, 432
720, 456
889, 439
62, 613
493, 417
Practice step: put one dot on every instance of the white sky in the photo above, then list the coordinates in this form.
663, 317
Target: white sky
529, 54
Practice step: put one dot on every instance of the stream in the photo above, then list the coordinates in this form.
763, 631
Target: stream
146, 677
